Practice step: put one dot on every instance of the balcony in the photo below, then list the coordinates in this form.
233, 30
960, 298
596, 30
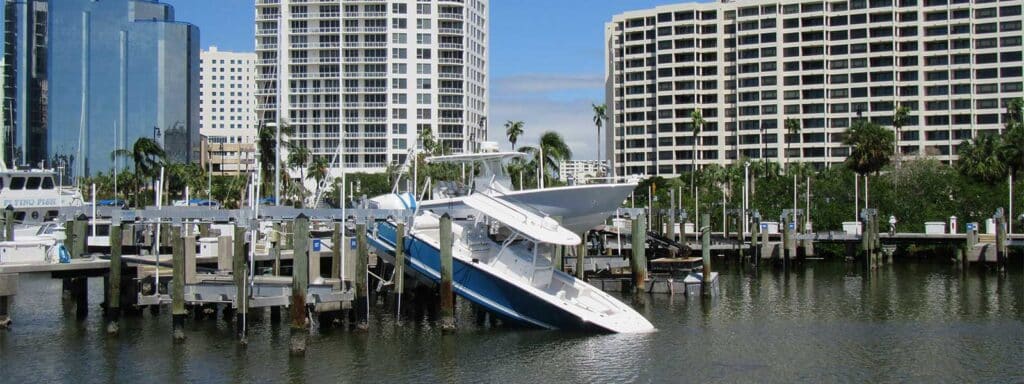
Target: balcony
450, 105
450, 31
450, 120
450, 46
456, 76
449, 61
449, 15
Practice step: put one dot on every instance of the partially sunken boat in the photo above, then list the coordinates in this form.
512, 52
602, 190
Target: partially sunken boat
502, 261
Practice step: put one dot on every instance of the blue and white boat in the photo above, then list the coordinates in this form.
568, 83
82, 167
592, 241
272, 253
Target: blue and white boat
501, 261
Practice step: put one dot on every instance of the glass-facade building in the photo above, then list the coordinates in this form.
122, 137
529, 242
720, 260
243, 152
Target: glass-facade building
111, 72
125, 69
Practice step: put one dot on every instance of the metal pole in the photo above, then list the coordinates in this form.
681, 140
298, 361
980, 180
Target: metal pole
277, 158
856, 196
1010, 218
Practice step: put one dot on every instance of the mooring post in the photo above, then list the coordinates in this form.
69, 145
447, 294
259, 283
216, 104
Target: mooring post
638, 261
8, 288
178, 283
705, 252
79, 243
300, 283
969, 243
671, 232
276, 239
336, 244
239, 272
399, 266
754, 237
1001, 255
204, 229
9, 223
80, 293
361, 305
581, 252
447, 298
114, 293
787, 240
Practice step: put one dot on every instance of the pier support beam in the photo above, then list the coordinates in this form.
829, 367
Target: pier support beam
114, 293
1001, 249
705, 252
9, 223
336, 243
361, 304
755, 249
300, 283
447, 298
239, 272
581, 252
399, 267
80, 294
178, 312
8, 288
638, 260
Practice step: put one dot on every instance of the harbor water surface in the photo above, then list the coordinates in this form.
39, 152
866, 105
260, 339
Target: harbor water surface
822, 322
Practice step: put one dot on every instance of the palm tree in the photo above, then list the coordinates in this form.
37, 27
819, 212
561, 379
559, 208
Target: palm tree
697, 119
298, 158
318, 171
513, 129
426, 137
267, 146
899, 118
979, 159
599, 118
554, 149
147, 157
793, 130
1012, 150
871, 148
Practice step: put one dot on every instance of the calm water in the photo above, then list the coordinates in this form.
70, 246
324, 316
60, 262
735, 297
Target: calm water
824, 323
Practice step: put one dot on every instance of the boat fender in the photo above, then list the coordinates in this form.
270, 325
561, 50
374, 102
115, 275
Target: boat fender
65, 256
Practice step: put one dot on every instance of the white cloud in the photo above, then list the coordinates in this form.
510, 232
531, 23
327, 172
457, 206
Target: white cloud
540, 102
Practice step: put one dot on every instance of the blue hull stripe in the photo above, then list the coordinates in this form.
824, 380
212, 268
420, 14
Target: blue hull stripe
478, 286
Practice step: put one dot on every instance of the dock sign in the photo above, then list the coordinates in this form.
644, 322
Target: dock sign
316, 245
972, 226
352, 244
764, 226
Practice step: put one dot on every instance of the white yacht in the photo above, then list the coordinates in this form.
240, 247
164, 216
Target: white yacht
35, 195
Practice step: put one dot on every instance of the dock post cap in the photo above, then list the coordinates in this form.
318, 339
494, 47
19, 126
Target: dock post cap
10, 207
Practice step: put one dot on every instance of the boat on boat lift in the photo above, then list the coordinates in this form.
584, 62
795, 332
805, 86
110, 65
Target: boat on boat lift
580, 207
502, 261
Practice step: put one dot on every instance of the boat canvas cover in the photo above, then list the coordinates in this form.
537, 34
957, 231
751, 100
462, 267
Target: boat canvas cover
529, 224
471, 157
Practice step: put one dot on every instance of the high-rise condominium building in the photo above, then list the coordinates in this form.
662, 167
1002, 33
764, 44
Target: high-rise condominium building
749, 65
380, 72
25, 81
227, 110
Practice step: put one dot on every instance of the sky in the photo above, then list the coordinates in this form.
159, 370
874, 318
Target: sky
546, 59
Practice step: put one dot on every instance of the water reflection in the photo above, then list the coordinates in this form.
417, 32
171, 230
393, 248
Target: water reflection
821, 321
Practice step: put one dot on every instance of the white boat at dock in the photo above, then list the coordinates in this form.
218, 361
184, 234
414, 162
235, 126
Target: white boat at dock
502, 261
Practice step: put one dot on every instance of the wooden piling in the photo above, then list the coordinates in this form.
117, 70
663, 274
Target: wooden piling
80, 293
336, 244
1001, 249
178, 283
275, 247
755, 234
300, 283
969, 243
581, 252
705, 251
239, 272
361, 305
447, 298
399, 266
78, 244
8, 288
204, 230
765, 245
114, 293
9, 223
638, 260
